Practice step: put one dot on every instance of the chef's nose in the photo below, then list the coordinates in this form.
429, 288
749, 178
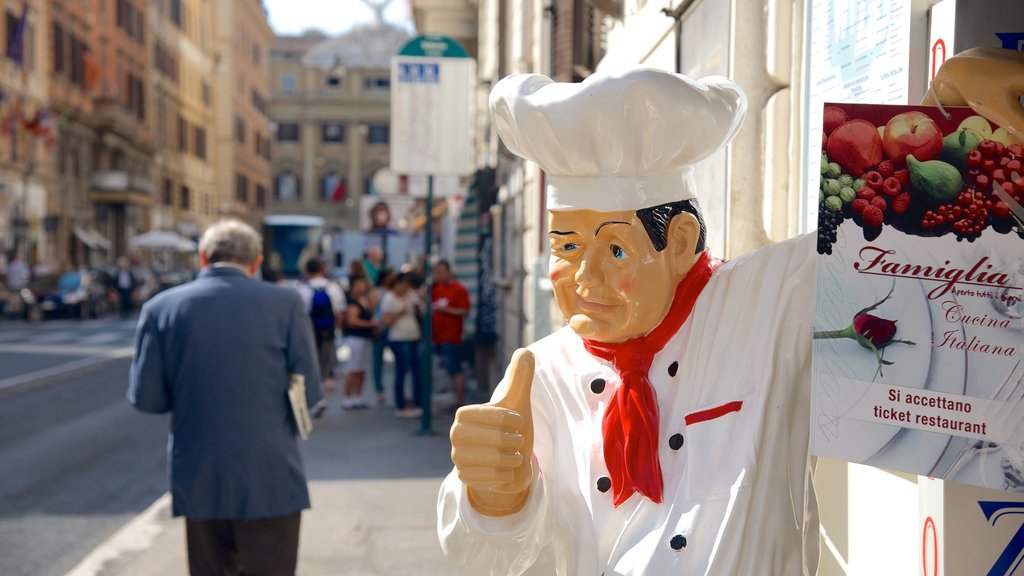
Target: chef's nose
590, 272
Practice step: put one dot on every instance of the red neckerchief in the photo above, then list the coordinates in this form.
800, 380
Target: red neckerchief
631, 421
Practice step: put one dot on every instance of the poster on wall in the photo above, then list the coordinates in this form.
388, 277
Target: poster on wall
918, 320
859, 52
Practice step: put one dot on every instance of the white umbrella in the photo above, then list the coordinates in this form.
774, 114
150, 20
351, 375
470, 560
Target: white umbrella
162, 239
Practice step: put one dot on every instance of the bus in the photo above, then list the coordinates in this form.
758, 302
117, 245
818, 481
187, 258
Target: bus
288, 242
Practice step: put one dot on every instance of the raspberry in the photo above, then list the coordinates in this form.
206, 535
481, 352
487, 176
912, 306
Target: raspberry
886, 169
891, 186
1015, 149
1001, 210
880, 203
999, 175
1013, 166
901, 203
903, 176
873, 179
865, 193
859, 205
872, 217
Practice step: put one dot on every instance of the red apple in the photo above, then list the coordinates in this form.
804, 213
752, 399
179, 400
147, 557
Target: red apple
834, 118
855, 146
912, 133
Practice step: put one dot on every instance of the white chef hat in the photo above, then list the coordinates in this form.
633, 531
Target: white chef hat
622, 141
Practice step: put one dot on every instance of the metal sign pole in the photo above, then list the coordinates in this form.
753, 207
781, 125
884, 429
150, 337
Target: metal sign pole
426, 363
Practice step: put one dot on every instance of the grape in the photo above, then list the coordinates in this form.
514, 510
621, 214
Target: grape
828, 226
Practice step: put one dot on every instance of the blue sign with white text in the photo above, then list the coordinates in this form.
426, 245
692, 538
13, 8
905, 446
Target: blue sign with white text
419, 73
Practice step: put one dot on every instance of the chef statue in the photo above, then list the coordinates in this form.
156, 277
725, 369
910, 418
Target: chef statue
664, 430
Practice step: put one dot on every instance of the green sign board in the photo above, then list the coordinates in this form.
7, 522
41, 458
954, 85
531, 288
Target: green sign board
433, 47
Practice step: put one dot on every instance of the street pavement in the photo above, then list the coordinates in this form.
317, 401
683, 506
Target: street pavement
35, 353
83, 481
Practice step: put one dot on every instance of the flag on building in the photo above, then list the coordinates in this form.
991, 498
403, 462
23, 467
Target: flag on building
16, 43
93, 69
340, 191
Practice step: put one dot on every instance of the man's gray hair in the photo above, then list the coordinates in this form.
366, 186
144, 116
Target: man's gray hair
231, 241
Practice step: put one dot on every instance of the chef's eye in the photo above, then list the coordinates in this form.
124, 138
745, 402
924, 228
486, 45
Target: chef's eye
570, 246
618, 253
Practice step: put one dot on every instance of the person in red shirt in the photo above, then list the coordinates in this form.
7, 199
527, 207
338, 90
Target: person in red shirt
450, 303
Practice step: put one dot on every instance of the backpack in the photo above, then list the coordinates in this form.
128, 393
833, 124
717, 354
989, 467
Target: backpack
321, 312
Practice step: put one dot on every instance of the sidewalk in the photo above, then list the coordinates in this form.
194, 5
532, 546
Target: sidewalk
373, 484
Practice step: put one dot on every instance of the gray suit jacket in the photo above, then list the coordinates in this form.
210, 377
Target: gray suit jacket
217, 353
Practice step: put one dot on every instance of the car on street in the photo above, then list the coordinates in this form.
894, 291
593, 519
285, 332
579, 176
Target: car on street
79, 294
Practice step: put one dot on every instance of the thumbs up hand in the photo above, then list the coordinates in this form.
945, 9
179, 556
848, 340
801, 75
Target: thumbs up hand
492, 444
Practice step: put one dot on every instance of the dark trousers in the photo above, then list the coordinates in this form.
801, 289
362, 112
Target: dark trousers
126, 301
406, 361
326, 353
261, 547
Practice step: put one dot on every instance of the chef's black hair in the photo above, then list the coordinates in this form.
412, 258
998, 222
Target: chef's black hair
656, 220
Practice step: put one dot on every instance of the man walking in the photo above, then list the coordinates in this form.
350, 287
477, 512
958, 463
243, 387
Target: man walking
217, 353
450, 302
325, 303
125, 286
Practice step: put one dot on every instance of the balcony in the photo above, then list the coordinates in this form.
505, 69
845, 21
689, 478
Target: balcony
120, 187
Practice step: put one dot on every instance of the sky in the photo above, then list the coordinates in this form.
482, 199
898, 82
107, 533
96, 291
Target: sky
292, 17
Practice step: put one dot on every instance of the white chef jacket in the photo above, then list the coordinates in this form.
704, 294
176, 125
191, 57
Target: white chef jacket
737, 499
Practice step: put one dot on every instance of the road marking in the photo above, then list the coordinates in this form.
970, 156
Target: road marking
103, 338
55, 336
61, 369
60, 350
135, 536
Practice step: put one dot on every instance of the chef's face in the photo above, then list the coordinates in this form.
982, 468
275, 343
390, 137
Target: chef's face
609, 281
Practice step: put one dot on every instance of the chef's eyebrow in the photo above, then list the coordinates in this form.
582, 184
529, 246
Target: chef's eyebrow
560, 233
603, 224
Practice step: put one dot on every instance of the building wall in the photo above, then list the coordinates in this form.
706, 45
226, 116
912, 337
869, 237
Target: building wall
122, 186
71, 155
181, 48
339, 95
26, 178
242, 76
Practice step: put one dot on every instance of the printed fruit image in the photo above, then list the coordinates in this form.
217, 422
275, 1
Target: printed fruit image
856, 146
1001, 135
978, 124
939, 181
957, 145
914, 133
834, 118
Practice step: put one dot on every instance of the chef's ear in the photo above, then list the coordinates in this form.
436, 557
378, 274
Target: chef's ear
683, 235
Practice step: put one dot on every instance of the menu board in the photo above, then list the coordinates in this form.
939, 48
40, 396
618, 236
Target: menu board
918, 318
859, 52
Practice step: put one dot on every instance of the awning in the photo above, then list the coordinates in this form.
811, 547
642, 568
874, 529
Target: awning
162, 240
92, 238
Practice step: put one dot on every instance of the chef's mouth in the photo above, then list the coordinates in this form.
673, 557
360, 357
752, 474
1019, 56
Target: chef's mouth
594, 306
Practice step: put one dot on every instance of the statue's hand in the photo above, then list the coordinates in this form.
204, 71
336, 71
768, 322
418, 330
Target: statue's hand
989, 80
492, 444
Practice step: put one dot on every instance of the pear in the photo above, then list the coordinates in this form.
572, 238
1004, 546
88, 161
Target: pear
979, 124
1002, 135
957, 145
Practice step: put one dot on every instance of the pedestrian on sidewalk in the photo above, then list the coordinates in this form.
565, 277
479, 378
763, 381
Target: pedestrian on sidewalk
401, 309
217, 354
450, 301
325, 303
384, 284
360, 332
18, 273
125, 283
